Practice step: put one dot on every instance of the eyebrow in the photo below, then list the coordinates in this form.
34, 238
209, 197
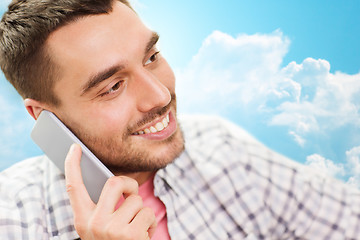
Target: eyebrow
153, 40
99, 77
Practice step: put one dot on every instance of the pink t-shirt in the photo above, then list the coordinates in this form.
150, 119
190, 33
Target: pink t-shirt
146, 191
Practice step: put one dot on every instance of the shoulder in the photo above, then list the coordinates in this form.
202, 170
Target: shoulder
26, 165
29, 179
32, 197
212, 136
22, 174
210, 128
218, 147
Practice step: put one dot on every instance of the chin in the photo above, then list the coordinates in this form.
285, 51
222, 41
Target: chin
149, 158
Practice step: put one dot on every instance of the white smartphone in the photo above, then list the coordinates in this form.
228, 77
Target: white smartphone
55, 139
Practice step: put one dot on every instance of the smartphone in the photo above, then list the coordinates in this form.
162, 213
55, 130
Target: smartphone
55, 139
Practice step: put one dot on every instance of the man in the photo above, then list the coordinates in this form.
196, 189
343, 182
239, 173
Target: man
95, 65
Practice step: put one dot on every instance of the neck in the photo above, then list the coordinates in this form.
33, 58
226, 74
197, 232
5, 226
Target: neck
140, 177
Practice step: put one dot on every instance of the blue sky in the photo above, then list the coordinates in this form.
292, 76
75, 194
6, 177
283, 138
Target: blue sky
286, 71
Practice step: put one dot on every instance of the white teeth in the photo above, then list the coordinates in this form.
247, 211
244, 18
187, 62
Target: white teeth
165, 122
157, 128
152, 129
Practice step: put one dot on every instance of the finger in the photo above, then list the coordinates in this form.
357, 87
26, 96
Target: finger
79, 197
152, 229
113, 190
129, 209
145, 220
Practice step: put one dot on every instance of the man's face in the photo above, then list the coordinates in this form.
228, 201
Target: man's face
114, 88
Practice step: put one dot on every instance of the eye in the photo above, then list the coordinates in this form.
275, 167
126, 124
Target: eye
113, 89
153, 58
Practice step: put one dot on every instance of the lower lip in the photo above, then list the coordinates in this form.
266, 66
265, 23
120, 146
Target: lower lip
165, 133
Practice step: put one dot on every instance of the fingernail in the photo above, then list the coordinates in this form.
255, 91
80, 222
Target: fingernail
72, 148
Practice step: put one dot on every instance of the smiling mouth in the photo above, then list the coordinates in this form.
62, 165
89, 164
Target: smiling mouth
159, 126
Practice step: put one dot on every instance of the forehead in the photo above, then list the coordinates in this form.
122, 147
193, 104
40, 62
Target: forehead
97, 40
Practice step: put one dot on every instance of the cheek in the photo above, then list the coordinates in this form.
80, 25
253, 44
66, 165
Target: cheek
109, 119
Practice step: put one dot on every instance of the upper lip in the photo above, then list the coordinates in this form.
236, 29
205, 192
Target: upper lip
153, 122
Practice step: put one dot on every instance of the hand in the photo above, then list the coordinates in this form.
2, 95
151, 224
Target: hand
101, 221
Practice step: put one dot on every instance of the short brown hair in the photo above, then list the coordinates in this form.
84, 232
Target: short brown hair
24, 29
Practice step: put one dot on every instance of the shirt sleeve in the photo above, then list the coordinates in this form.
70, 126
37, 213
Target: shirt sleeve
302, 203
298, 202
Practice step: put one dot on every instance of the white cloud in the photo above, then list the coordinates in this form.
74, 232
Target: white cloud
327, 100
235, 71
245, 75
325, 166
297, 138
353, 161
354, 181
349, 171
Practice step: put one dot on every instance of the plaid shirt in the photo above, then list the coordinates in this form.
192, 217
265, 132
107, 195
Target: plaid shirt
225, 185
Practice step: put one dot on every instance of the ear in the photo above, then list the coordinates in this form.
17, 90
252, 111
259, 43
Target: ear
34, 107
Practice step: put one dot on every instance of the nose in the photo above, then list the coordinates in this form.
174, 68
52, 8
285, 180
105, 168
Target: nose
151, 92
